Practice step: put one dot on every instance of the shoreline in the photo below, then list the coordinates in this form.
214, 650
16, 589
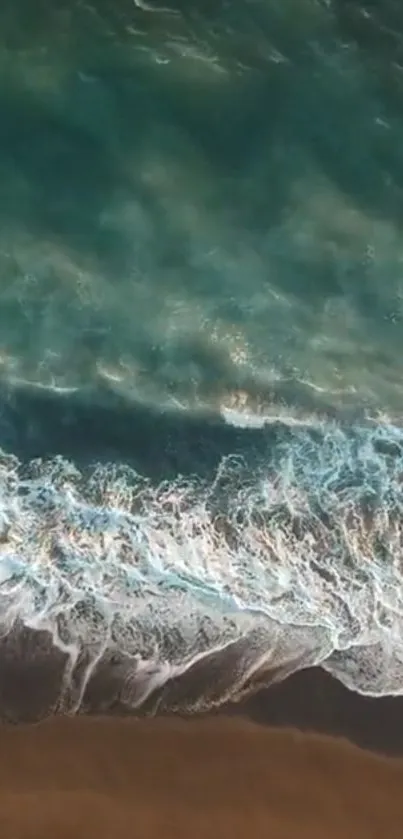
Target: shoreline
31, 681
312, 700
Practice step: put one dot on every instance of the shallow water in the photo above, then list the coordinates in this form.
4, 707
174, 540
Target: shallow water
201, 340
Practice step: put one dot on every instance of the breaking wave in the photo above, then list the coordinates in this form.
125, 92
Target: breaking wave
234, 580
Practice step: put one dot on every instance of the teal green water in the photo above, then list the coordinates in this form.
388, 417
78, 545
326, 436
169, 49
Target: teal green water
201, 347
202, 205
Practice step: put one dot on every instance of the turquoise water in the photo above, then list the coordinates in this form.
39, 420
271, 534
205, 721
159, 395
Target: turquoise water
201, 336
203, 205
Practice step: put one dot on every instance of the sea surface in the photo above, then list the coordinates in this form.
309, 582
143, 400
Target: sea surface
201, 348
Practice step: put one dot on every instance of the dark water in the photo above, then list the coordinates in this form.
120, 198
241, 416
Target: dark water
201, 341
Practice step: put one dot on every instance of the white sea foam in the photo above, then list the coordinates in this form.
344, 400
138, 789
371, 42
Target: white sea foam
303, 557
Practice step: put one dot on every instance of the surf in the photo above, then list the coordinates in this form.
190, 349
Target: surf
283, 554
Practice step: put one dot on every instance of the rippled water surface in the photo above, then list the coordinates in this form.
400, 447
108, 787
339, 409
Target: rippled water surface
201, 341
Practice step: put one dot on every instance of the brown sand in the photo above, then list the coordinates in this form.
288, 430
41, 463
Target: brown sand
113, 778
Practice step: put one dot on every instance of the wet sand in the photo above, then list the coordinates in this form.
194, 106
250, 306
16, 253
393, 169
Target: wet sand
247, 770
31, 674
312, 700
94, 777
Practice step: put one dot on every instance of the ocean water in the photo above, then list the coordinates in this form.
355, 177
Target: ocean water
201, 349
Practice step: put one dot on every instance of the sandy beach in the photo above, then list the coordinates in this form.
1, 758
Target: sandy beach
167, 778
302, 758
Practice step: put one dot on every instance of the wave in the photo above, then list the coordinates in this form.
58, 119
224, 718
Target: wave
210, 561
